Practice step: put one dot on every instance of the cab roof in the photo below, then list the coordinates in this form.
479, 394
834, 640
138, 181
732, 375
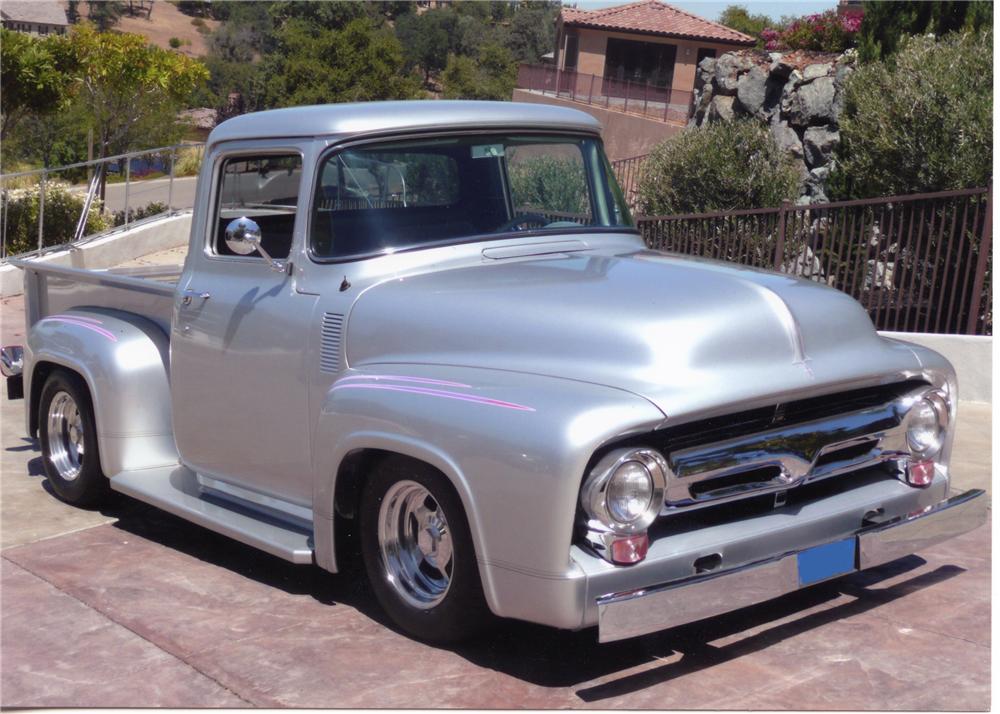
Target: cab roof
356, 119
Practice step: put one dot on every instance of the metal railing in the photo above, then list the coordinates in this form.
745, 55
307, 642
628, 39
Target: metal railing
47, 209
627, 173
918, 263
648, 100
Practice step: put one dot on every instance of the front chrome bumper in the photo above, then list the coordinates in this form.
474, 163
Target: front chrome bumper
639, 612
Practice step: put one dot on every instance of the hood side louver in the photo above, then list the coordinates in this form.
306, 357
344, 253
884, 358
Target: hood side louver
329, 355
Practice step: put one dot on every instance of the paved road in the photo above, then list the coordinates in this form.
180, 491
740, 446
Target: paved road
142, 193
128, 606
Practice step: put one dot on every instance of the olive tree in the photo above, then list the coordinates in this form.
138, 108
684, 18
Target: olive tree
716, 167
920, 122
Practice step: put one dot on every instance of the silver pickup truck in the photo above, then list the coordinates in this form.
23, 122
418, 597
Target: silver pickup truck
429, 335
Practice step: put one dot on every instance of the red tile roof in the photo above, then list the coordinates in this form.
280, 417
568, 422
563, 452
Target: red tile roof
655, 18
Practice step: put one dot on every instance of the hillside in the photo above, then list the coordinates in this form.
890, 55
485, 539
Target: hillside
165, 21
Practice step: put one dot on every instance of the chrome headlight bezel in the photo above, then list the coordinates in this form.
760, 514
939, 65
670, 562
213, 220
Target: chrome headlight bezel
594, 495
937, 402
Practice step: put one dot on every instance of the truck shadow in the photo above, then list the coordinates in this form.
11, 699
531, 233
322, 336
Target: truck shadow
552, 658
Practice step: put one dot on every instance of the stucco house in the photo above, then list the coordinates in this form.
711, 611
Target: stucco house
37, 17
643, 43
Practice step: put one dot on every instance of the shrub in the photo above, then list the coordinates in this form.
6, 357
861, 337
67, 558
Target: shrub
886, 24
717, 167
188, 161
823, 32
549, 183
491, 74
174, 42
137, 214
62, 211
921, 122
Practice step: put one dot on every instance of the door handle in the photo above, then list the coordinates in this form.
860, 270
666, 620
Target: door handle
189, 295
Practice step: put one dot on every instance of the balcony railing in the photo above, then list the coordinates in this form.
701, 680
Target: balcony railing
648, 100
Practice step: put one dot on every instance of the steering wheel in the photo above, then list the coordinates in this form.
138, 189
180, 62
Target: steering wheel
524, 219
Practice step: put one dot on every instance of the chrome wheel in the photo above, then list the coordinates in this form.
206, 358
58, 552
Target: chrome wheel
415, 543
64, 428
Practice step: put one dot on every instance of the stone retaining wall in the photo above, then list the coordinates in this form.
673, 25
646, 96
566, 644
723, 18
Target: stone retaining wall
798, 95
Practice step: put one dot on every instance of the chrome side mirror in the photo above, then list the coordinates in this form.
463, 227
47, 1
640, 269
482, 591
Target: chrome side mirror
243, 238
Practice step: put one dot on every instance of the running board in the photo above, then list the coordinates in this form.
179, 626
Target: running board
175, 489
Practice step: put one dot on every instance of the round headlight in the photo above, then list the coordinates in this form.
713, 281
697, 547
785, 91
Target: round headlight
624, 491
925, 426
629, 492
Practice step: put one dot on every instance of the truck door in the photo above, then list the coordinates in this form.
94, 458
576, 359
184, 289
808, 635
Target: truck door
240, 331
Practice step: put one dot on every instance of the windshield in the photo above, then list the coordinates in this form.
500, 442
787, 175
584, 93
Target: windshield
393, 196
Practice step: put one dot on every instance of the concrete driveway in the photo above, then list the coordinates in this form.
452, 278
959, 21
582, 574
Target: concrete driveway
131, 607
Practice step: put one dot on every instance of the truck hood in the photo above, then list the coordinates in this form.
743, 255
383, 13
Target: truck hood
690, 335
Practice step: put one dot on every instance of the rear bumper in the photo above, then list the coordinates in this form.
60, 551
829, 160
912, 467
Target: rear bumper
638, 612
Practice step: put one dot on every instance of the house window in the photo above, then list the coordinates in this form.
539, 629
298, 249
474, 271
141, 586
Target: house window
572, 52
640, 62
704, 52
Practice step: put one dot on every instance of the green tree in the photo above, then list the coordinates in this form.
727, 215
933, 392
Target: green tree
247, 33
330, 15
73, 11
36, 74
491, 74
923, 122
427, 39
738, 17
532, 30
49, 139
886, 24
717, 167
132, 90
389, 9
105, 13
317, 65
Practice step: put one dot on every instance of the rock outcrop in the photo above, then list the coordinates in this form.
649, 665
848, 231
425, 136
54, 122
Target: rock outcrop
798, 95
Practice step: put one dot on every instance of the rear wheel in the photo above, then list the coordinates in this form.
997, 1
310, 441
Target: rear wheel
418, 552
68, 436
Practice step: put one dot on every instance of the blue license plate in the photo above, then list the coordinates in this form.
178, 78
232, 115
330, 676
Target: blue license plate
826, 561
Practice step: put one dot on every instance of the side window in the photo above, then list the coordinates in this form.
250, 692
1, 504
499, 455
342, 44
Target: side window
264, 189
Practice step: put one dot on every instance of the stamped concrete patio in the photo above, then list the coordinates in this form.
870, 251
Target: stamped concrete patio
132, 607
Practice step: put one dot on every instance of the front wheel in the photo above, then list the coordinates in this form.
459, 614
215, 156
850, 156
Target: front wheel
68, 435
418, 552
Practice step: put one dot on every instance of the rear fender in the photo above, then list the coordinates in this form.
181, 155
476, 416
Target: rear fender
124, 359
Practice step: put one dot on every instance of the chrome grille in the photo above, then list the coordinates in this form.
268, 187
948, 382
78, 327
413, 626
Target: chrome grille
778, 448
329, 356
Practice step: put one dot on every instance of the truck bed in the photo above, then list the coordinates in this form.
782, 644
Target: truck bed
146, 291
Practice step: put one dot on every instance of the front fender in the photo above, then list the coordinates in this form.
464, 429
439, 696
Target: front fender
515, 446
124, 359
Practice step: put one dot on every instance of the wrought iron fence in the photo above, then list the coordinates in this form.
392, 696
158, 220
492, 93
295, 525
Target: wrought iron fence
627, 173
918, 263
47, 209
648, 100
